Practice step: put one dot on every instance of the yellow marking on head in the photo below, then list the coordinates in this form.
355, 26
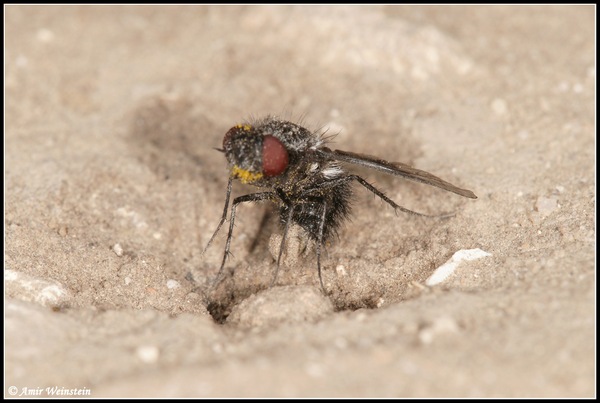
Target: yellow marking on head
244, 127
244, 175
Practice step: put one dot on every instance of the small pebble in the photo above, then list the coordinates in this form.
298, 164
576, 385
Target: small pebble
546, 205
29, 288
444, 271
173, 284
147, 354
118, 249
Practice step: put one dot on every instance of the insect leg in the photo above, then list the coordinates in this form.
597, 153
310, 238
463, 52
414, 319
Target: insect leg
394, 168
343, 179
288, 220
319, 243
229, 185
252, 197
389, 201
283, 239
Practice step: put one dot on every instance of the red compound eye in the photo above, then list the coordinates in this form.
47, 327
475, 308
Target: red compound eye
275, 157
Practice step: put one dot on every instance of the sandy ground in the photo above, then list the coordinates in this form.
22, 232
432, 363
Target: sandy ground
113, 189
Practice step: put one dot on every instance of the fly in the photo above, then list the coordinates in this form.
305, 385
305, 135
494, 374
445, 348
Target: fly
294, 169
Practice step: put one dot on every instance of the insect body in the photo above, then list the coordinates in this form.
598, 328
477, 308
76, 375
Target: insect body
304, 178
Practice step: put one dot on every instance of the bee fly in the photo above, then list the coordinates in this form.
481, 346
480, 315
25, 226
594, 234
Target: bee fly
304, 178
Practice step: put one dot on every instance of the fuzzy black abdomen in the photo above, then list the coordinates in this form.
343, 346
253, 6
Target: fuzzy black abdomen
308, 210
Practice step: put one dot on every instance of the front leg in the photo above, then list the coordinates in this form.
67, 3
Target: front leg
222, 220
253, 197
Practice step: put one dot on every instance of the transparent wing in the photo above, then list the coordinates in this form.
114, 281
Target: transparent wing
394, 168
